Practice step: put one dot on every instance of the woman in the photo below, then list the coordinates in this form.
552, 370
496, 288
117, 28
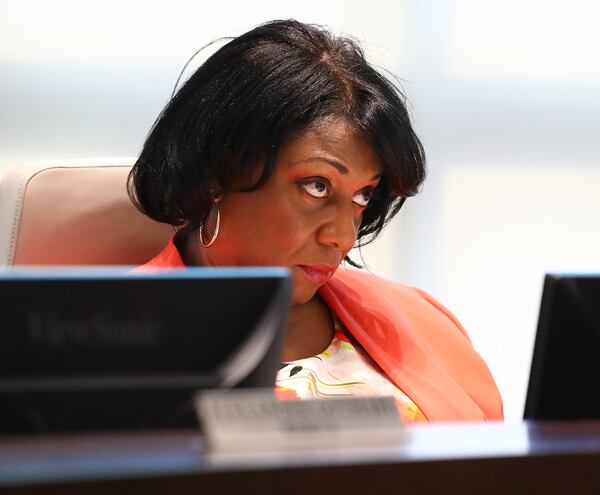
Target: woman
287, 148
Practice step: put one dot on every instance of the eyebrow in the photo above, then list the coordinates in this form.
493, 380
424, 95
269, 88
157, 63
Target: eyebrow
342, 169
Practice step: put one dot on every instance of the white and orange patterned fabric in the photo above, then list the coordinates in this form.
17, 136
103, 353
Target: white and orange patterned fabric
343, 369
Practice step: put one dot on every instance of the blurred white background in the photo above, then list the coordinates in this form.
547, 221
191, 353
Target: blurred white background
505, 95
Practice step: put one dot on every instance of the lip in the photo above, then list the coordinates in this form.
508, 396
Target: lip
318, 274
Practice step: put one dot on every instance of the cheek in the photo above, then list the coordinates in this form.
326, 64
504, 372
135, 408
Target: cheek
260, 233
283, 226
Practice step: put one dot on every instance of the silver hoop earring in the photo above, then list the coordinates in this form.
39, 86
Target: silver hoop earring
215, 233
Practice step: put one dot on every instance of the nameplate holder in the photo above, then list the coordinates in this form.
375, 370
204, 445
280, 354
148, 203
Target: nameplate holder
255, 420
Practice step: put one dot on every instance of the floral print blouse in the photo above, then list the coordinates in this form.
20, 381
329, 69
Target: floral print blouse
343, 369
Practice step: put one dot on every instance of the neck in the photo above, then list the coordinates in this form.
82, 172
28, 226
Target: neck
191, 250
310, 330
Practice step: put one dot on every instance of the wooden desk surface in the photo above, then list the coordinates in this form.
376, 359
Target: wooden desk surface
487, 458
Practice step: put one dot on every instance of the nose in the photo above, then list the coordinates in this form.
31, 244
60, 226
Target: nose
340, 228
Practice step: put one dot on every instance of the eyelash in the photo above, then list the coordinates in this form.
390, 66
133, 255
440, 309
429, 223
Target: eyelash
327, 183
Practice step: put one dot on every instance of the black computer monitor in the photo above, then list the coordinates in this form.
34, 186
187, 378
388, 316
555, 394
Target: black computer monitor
102, 349
565, 371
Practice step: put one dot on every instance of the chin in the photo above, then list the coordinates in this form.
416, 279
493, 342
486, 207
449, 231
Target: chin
302, 294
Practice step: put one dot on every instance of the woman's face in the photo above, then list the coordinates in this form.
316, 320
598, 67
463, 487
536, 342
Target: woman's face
307, 215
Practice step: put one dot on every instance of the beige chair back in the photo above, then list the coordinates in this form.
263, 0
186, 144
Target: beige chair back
74, 214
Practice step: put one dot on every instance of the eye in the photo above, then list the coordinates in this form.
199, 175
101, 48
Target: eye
316, 187
363, 197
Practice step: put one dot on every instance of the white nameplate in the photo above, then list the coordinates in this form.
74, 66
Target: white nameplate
255, 420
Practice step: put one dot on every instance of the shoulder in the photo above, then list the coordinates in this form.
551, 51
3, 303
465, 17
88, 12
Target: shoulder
418, 342
168, 258
371, 290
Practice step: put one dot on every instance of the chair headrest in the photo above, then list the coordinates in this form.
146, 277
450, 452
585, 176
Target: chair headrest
74, 215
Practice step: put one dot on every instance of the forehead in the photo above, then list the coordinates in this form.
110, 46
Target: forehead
333, 140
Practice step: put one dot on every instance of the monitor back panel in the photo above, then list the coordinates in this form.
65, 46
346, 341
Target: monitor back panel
565, 372
99, 350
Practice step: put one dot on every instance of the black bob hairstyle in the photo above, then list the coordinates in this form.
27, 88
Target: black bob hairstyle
253, 95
